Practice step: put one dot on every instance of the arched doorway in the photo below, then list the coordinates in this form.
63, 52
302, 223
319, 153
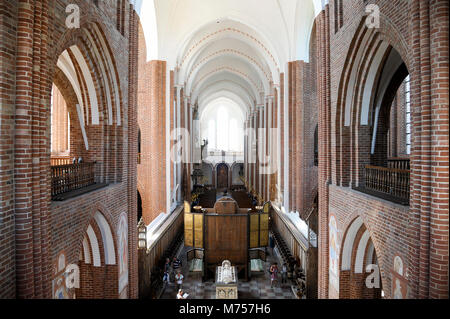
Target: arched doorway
222, 176
359, 275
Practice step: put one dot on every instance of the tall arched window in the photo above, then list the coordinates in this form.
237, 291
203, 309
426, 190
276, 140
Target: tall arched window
222, 129
59, 123
222, 125
233, 136
212, 134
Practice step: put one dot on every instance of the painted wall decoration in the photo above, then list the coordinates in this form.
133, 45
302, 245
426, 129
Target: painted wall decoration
334, 258
398, 265
59, 289
122, 237
399, 282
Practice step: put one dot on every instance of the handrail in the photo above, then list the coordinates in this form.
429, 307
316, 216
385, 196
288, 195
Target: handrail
398, 162
390, 181
70, 177
56, 160
299, 237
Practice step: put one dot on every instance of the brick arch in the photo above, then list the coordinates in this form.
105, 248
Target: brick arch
95, 53
233, 166
369, 51
98, 207
354, 256
77, 147
213, 169
98, 278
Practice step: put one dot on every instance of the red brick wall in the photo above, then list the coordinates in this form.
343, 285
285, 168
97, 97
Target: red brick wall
8, 33
35, 34
152, 123
419, 32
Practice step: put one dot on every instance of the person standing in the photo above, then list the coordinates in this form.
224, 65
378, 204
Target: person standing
284, 274
166, 277
273, 274
176, 266
271, 244
179, 280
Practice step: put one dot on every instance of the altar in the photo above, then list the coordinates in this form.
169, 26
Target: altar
226, 281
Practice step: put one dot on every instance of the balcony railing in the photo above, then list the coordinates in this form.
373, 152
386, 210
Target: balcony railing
400, 163
60, 160
391, 182
71, 177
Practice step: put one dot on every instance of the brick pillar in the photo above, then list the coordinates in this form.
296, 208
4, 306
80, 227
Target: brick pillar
273, 193
32, 160
323, 87
7, 128
172, 113
152, 121
132, 156
299, 130
186, 147
292, 142
439, 215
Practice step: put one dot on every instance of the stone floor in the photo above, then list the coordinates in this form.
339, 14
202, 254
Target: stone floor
257, 288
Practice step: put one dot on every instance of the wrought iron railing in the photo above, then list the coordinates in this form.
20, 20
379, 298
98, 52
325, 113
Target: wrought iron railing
70, 177
389, 181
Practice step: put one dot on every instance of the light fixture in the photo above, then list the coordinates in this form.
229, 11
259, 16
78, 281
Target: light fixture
142, 234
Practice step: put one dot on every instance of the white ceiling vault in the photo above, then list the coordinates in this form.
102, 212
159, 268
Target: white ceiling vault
228, 48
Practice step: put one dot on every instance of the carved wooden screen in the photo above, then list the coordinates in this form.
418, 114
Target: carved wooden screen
193, 230
259, 230
226, 238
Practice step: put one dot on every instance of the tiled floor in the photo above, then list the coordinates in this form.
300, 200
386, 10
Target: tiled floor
257, 288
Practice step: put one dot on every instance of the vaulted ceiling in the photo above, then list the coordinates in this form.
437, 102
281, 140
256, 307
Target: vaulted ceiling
234, 48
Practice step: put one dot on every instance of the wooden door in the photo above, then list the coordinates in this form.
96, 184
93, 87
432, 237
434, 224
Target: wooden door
222, 176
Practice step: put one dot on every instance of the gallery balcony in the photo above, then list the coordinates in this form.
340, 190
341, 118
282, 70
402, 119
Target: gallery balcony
69, 180
391, 183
